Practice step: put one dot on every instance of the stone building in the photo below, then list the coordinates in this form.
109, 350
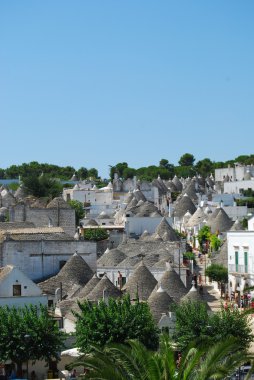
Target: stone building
41, 252
56, 213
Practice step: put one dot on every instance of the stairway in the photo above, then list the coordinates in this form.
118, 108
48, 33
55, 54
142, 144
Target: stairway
210, 295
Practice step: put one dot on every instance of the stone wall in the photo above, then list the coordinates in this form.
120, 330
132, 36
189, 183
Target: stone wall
43, 217
41, 259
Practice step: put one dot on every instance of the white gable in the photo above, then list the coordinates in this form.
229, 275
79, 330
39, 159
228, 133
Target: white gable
16, 277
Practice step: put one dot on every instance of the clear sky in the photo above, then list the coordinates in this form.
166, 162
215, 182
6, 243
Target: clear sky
93, 83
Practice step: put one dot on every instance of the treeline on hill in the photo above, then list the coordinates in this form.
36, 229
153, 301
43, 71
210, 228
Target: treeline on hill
36, 169
166, 170
186, 168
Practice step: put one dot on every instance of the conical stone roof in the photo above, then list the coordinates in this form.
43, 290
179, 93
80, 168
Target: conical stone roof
133, 203
171, 282
58, 202
190, 190
111, 258
20, 193
178, 184
165, 231
221, 223
139, 195
91, 222
197, 217
142, 282
76, 272
237, 226
104, 287
159, 302
222, 256
146, 209
192, 295
89, 287
183, 205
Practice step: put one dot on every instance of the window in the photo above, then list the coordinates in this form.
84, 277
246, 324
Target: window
236, 261
50, 303
16, 290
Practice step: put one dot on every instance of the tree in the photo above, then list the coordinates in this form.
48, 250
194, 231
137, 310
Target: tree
129, 173
192, 320
43, 186
204, 238
135, 361
28, 333
115, 321
93, 173
79, 210
82, 173
194, 323
215, 242
186, 159
204, 167
218, 273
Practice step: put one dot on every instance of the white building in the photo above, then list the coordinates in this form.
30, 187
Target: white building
241, 260
237, 173
16, 289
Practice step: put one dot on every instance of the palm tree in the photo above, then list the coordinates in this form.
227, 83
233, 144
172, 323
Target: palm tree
134, 361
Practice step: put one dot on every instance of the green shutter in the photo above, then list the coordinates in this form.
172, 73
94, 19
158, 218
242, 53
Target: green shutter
236, 261
246, 262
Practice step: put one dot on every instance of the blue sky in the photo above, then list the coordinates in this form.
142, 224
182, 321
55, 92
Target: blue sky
94, 83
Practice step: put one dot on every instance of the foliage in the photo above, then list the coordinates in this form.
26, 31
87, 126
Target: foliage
203, 236
115, 321
134, 361
248, 193
186, 159
190, 256
82, 173
93, 173
231, 323
185, 171
118, 168
204, 167
43, 186
95, 234
217, 272
28, 333
249, 202
79, 210
215, 242
193, 322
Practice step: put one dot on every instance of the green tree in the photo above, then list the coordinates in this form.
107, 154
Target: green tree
28, 333
215, 242
135, 361
204, 167
43, 186
129, 173
194, 323
79, 210
204, 237
115, 321
82, 173
186, 159
93, 173
95, 234
218, 273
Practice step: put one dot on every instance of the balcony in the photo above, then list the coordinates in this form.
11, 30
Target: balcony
233, 268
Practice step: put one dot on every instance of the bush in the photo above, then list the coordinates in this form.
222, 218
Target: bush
96, 234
